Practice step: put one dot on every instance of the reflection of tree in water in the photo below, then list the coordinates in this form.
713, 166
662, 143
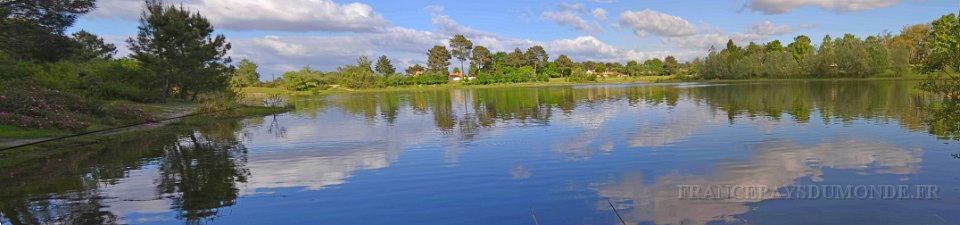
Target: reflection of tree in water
201, 165
944, 121
200, 171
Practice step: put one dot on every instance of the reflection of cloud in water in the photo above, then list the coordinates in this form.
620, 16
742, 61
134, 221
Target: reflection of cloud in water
319, 155
676, 125
129, 196
520, 172
775, 163
592, 121
316, 169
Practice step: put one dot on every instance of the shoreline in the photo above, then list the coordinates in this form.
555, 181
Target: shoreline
554, 82
177, 114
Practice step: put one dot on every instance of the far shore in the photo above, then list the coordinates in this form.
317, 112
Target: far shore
553, 82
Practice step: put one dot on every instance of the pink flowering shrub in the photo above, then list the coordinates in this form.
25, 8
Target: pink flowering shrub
44, 108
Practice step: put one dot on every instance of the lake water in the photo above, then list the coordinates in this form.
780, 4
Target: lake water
494, 155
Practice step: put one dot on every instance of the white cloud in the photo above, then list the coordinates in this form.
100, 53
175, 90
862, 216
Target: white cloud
279, 54
839, 6
699, 41
806, 26
434, 8
760, 31
569, 18
590, 48
767, 28
603, 1
576, 7
599, 13
279, 15
648, 22
569, 15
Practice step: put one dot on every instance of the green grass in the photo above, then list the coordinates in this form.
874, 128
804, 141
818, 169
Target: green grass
13, 132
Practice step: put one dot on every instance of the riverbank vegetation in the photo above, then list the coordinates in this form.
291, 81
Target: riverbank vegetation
917, 49
56, 83
532, 65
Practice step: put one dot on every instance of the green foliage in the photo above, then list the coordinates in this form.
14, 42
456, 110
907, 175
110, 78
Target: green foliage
438, 59
580, 75
943, 57
516, 58
848, 56
246, 74
384, 66
510, 75
305, 79
179, 46
460, 48
564, 64
90, 46
653, 65
34, 29
672, 67
481, 56
414, 69
537, 57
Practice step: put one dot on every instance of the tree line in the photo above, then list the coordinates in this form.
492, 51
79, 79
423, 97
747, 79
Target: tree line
484, 67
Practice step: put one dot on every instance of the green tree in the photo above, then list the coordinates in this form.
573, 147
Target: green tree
34, 29
90, 46
914, 38
653, 65
481, 56
826, 58
800, 47
600, 68
516, 58
879, 56
774, 46
460, 48
671, 65
943, 57
900, 58
411, 70
537, 57
633, 68
246, 74
384, 66
852, 58
438, 59
564, 64
179, 45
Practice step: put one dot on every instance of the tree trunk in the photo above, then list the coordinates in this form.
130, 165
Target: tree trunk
166, 91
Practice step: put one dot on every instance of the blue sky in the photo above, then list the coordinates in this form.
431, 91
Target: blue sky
283, 35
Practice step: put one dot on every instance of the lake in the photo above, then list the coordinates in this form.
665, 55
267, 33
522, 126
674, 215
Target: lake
504, 155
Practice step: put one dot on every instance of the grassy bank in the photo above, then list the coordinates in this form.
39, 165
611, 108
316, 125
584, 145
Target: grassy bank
269, 91
13, 135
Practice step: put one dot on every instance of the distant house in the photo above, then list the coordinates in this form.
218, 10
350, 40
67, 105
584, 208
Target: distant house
455, 76
611, 74
605, 74
418, 73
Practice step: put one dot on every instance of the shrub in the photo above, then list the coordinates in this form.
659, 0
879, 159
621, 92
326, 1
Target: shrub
41, 108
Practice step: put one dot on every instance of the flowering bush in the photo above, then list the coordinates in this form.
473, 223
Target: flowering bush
44, 108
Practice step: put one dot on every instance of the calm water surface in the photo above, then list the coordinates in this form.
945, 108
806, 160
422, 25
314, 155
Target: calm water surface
490, 155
